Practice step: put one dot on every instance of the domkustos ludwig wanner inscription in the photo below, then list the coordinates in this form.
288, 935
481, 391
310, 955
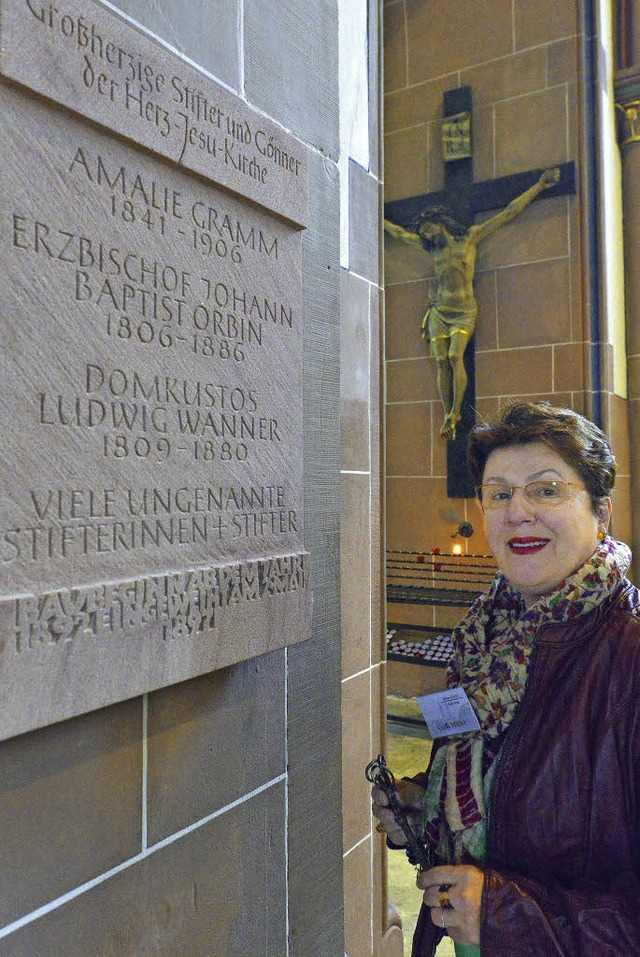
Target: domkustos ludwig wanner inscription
151, 503
88, 58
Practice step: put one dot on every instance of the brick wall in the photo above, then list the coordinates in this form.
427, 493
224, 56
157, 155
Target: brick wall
538, 331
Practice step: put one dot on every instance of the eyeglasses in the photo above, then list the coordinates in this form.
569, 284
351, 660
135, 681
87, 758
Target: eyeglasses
543, 493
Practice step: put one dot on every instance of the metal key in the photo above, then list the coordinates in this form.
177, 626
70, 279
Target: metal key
377, 772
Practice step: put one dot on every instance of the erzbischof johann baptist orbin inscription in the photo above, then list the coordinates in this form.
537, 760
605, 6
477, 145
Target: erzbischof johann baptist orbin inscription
151, 524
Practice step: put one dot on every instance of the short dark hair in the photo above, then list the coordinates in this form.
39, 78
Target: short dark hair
443, 217
575, 439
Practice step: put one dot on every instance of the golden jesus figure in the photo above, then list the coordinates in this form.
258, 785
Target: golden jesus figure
450, 320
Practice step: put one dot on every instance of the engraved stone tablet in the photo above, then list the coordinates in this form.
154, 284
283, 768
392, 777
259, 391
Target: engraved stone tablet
151, 524
90, 59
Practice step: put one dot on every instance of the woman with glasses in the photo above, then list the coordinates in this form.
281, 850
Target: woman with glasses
534, 820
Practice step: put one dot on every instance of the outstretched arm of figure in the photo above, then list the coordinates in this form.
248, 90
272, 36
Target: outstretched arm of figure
548, 179
399, 233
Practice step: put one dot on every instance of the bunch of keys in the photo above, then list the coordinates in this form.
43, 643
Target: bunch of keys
378, 773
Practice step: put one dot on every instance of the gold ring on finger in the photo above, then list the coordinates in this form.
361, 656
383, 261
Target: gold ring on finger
444, 901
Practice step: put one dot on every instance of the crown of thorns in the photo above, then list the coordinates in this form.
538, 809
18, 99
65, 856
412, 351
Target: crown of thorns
440, 215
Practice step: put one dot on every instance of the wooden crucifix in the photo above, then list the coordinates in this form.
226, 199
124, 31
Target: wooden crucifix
442, 224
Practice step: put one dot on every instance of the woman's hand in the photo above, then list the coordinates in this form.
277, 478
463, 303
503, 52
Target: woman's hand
461, 887
411, 796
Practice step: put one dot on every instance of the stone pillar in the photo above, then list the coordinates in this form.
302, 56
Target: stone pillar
628, 105
628, 35
628, 109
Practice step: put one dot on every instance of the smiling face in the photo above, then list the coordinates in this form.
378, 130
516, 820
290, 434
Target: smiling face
538, 547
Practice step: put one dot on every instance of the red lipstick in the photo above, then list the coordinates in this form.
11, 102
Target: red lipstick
527, 546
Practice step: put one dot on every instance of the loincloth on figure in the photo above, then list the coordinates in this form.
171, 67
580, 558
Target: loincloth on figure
440, 323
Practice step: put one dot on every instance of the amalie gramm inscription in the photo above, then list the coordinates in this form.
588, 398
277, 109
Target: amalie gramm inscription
151, 509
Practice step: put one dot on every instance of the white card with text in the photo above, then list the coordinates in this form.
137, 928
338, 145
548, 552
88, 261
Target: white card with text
448, 712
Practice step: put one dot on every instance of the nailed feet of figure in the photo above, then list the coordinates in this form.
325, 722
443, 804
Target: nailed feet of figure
448, 429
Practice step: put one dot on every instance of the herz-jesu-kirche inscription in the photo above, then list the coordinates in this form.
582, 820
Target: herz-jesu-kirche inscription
151, 523
85, 57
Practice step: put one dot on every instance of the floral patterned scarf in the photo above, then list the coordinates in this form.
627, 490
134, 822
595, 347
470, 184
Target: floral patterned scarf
492, 647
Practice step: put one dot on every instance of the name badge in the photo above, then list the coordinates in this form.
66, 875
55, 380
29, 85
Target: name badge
448, 712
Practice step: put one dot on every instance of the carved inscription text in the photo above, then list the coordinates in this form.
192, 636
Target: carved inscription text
151, 496
88, 58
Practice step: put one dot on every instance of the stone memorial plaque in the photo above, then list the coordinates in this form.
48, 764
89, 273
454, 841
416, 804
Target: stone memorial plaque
87, 57
151, 524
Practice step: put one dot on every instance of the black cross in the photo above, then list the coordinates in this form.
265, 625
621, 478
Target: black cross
465, 198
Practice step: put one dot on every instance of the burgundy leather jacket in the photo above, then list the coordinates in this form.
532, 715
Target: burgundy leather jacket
562, 874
